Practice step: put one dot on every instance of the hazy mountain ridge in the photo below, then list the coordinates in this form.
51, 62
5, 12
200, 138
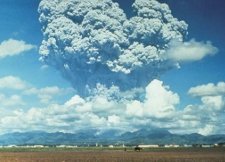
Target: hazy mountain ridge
91, 137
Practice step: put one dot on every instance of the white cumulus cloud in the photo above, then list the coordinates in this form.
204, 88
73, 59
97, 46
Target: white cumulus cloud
208, 129
12, 82
160, 102
190, 51
9, 101
209, 89
13, 47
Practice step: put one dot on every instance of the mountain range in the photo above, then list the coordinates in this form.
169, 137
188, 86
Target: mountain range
92, 136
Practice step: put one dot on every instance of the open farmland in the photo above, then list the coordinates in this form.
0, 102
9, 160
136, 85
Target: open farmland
154, 155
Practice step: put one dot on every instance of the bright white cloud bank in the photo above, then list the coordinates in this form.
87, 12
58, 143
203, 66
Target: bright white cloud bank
106, 110
92, 42
13, 47
17, 95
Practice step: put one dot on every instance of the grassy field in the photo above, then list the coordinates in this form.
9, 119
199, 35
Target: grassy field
113, 155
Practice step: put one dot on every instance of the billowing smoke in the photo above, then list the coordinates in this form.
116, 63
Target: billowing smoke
92, 41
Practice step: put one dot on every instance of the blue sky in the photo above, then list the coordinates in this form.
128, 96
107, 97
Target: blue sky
43, 91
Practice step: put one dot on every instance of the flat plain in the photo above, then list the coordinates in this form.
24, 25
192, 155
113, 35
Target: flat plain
149, 155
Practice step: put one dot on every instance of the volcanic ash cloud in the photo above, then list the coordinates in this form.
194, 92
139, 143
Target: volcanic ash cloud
92, 41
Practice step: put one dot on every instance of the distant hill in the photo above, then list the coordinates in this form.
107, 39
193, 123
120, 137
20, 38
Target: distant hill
92, 136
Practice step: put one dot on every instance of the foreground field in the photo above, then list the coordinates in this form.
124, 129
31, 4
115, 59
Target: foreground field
166, 155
